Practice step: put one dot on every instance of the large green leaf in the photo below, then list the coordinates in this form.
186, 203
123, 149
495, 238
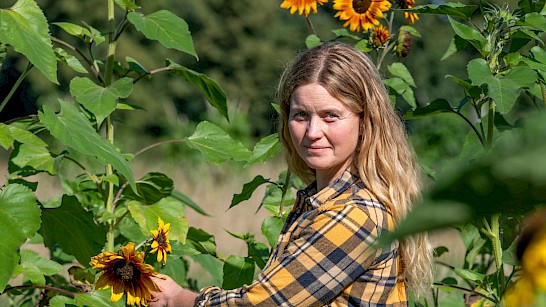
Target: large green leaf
34, 267
266, 148
213, 92
73, 229
451, 9
75, 131
471, 35
202, 241
271, 228
11, 133
20, 216
101, 101
170, 30
400, 70
238, 271
504, 89
170, 209
248, 189
24, 26
216, 145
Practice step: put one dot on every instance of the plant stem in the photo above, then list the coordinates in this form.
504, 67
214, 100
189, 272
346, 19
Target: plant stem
63, 291
109, 125
16, 85
284, 190
490, 124
497, 250
543, 91
310, 25
492, 299
386, 49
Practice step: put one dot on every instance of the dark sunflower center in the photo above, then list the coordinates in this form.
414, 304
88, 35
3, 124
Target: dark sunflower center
126, 271
361, 6
161, 240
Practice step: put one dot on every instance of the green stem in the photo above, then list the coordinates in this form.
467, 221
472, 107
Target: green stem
310, 24
497, 250
284, 190
109, 124
44, 287
16, 85
490, 124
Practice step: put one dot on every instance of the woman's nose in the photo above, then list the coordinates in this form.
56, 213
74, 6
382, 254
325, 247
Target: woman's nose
314, 128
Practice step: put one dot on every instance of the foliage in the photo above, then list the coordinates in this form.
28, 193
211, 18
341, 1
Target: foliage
103, 209
494, 182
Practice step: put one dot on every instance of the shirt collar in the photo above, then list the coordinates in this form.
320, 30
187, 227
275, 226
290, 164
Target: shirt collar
339, 185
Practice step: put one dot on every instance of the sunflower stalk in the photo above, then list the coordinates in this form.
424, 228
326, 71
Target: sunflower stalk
110, 235
388, 45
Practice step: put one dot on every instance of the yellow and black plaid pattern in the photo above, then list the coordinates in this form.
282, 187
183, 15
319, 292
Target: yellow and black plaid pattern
324, 255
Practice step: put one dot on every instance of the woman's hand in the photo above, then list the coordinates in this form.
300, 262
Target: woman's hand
171, 293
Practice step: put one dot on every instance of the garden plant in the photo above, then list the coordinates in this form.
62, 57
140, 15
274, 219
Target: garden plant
114, 231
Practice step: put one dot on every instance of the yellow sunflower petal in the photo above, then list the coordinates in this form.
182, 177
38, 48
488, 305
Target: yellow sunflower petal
155, 233
116, 294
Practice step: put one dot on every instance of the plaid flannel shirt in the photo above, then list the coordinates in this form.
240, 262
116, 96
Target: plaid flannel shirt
324, 255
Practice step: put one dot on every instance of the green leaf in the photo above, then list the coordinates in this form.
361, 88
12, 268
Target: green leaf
216, 145
212, 265
238, 271
177, 269
213, 92
536, 21
170, 30
169, 209
266, 148
471, 35
151, 188
455, 9
35, 267
503, 89
135, 66
343, 32
73, 29
127, 4
97, 299
25, 27
403, 89
470, 275
75, 131
400, 70
22, 136
248, 189
20, 216
97, 99
36, 157
70, 60
188, 202
271, 228
435, 107
259, 252
312, 40
73, 229
202, 241
455, 45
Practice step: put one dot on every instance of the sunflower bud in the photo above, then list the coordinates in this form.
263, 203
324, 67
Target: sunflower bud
380, 36
403, 45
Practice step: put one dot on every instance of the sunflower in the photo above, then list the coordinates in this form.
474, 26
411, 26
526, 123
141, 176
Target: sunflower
302, 6
125, 273
380, 36
360, 13
161, 241
408, 4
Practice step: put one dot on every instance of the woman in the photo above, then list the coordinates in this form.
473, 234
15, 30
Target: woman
342, 137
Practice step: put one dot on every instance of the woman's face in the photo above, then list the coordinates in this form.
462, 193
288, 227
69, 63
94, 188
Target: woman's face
323, 130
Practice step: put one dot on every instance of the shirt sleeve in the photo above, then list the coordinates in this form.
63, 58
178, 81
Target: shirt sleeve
328, 250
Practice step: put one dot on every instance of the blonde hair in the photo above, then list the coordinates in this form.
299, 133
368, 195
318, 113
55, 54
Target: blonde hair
384, 158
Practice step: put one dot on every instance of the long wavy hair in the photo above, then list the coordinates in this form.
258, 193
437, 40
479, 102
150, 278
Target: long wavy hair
384, 158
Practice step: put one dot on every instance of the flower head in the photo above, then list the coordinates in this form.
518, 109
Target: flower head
408, 4
380, 36
360, 13
302, 6
161, 241
126, 273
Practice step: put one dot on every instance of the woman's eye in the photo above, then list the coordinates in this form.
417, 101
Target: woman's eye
331, 116
299, 116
